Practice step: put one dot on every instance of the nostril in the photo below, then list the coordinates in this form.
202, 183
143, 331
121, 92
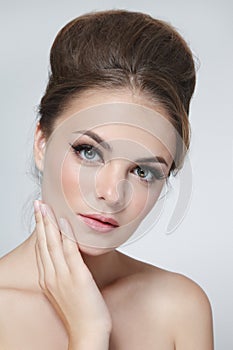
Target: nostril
118, 195
112, 185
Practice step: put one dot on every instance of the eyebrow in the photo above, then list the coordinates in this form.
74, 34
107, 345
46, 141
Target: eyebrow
105, 145
156, 159
95, 137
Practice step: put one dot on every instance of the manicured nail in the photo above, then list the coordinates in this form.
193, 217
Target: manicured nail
64, 226
43, 209
36, 206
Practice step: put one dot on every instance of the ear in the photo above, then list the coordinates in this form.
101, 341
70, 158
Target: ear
39, 147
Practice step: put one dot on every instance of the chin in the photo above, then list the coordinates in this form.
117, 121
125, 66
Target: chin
94, 251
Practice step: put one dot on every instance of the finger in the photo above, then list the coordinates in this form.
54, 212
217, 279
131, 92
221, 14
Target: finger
40, 267
42, 245
54, 241
70, 246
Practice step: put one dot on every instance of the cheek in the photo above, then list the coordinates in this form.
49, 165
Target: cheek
77, 181
139, 202
70, 180
144, 199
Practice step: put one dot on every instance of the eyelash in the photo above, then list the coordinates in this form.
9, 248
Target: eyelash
156, 174
77, 149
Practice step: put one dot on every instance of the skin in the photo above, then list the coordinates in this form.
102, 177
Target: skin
65, 295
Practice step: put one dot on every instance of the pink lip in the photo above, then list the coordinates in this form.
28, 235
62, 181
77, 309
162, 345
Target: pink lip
98, 222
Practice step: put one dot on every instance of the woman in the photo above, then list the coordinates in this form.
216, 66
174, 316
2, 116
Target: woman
113, 127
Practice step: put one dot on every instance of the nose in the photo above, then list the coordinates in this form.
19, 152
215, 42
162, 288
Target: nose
112, 184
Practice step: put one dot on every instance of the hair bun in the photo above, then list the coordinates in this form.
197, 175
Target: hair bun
121, 49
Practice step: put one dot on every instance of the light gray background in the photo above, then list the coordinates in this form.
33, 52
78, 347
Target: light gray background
201, 247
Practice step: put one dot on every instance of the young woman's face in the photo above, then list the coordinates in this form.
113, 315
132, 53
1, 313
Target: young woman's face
105, 166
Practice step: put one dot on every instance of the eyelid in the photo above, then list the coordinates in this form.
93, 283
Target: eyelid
77, 147
154, 170
89, 141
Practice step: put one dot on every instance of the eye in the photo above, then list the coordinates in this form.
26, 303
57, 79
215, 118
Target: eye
148, 174
88, 153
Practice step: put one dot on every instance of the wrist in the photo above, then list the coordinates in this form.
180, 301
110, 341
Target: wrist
91, 341
92, 331
93, 337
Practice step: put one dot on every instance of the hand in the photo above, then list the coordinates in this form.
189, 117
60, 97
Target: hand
67, 282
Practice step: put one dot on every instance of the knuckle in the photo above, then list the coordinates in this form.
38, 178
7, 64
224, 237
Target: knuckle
63, 283
69, 253
40, 242
69, 250
52, 247
42, 284
46, 222
50, 283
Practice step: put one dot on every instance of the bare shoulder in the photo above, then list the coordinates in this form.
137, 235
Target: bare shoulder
173, 286
9, 270
6, 301
14, 277
181, 294
9, 281
173, 303
183, 306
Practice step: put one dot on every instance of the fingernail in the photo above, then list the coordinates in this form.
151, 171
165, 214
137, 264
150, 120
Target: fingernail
36, 206
64, 226
43, 209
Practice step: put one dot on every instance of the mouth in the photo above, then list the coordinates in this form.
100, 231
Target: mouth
99, 223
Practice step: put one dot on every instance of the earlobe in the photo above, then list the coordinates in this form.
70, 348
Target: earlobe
39, 147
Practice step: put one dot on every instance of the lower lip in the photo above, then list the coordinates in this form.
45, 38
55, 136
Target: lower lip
97, 225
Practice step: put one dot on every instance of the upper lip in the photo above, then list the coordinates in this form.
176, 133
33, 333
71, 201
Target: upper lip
101, 218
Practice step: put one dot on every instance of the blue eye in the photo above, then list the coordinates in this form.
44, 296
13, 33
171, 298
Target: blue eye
148, 174
88, 153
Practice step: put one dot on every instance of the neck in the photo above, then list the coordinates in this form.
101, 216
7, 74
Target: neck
105, 268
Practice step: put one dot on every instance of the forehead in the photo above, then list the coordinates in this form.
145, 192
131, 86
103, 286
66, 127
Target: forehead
126, 122
100, 96
131, 142
129, 136
95, 107
133, 117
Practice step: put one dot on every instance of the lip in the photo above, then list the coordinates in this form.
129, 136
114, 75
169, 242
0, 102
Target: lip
99, 223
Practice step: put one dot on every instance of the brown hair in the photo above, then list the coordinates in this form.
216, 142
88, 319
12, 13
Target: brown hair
121, 49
